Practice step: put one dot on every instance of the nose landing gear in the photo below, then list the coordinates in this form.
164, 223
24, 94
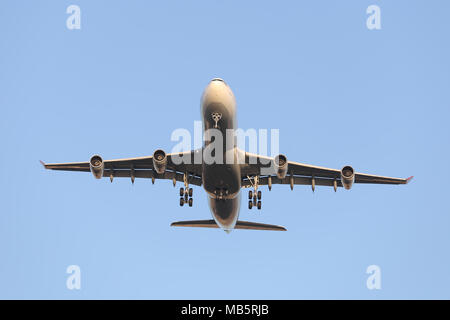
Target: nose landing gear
256, 195
186, 193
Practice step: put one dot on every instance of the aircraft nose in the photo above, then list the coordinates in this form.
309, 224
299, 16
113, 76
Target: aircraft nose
218, 80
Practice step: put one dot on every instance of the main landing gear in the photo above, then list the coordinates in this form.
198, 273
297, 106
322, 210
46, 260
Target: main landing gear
254, 198
186, 196
186, 193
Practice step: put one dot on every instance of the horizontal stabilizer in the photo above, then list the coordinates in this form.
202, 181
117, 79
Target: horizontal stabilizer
239, 225
258, 226
195, 223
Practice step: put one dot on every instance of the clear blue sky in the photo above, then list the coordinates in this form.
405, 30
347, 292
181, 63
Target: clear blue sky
339, 93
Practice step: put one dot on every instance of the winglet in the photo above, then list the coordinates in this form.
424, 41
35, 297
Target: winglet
43, 164
409, 179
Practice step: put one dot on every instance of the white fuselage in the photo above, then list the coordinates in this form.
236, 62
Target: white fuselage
221, 177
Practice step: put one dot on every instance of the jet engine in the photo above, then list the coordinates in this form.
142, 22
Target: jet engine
281, 165
347, 177
159, 161
96, 165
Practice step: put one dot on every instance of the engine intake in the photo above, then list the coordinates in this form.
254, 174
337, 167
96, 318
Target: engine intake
159, 161
97, 166
281, 166
347, 177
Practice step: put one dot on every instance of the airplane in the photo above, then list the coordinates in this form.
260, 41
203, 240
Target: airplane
223, 181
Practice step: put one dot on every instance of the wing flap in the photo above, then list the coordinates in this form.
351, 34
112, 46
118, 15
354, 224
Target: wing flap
298, 180
148, 174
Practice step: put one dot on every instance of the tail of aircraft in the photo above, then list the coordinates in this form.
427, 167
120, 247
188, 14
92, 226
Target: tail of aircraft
239, 225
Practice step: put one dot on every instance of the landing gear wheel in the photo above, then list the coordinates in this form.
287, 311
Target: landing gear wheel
250, 204
250, 195
259, 205
259, 195
190, 192
181, 192
181, 202
190, 201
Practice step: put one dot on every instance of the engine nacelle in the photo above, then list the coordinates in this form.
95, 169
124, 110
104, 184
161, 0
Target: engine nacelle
159, 161
281, 166
97, 166
347, 177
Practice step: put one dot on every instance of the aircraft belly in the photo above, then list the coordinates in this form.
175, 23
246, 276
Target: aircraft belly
225, 212
221, 180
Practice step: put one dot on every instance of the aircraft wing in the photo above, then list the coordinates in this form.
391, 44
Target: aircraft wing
141, 167
304, 174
